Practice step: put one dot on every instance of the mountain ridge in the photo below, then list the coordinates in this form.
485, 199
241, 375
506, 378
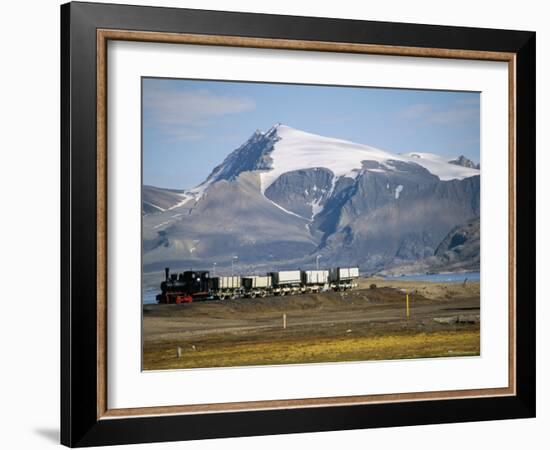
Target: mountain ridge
287, 196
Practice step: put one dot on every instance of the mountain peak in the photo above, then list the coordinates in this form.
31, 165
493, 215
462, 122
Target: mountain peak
464, 162
282, 149
254, 154
274, 129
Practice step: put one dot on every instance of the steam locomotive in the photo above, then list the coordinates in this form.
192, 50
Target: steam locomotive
192, 285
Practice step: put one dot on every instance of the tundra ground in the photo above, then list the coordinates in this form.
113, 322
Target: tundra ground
363, 324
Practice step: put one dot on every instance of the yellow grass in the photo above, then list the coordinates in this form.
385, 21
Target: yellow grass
335, 349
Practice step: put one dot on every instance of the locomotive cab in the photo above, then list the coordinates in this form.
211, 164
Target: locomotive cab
184, 287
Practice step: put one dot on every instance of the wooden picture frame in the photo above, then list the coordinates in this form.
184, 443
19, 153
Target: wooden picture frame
86, 418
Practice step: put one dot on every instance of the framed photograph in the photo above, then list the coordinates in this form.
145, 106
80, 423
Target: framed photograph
276, 224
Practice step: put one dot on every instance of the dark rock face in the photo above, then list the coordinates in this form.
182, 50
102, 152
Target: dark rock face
381, 219
156, 200
361, 218
458, 251
464, 162
462, 243
302, 191
252, 155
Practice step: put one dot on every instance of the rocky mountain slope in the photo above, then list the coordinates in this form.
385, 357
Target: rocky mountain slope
464, 162
157, 200
286, 196
458, 252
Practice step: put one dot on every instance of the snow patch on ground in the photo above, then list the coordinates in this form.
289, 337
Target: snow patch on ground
285, 210
161, 225
197, 192
316, 207
185, 197
398, 190
154, 206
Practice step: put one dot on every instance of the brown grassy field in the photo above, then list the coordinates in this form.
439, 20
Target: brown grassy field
363, 324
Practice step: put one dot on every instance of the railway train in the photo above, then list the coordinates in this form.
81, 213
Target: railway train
197, 285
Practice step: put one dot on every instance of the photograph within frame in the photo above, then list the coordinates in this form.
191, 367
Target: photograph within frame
298, 179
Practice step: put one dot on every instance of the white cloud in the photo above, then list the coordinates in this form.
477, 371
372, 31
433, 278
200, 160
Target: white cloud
175, 134
180, 114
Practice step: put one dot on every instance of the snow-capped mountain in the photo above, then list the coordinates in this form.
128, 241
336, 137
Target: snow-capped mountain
283, 149
297, 150
286, 195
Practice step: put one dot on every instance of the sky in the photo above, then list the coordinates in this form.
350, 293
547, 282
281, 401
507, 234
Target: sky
190, 126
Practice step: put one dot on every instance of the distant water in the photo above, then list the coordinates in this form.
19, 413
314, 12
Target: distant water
149, 295
440, 277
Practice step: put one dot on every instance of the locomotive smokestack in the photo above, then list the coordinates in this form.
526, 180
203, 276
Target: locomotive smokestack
167, 273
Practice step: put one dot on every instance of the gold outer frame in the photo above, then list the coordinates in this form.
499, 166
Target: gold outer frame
104, 35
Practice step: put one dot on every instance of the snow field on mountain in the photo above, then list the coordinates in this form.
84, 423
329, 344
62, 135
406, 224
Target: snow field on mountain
297, 150
440, 166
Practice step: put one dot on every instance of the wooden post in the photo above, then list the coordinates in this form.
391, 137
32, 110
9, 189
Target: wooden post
408, 311
179, 352
284, 321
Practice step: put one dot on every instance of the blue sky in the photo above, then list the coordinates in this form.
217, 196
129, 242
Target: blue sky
190, 126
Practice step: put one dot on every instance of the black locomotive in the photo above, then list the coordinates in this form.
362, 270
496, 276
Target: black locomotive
184, 287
